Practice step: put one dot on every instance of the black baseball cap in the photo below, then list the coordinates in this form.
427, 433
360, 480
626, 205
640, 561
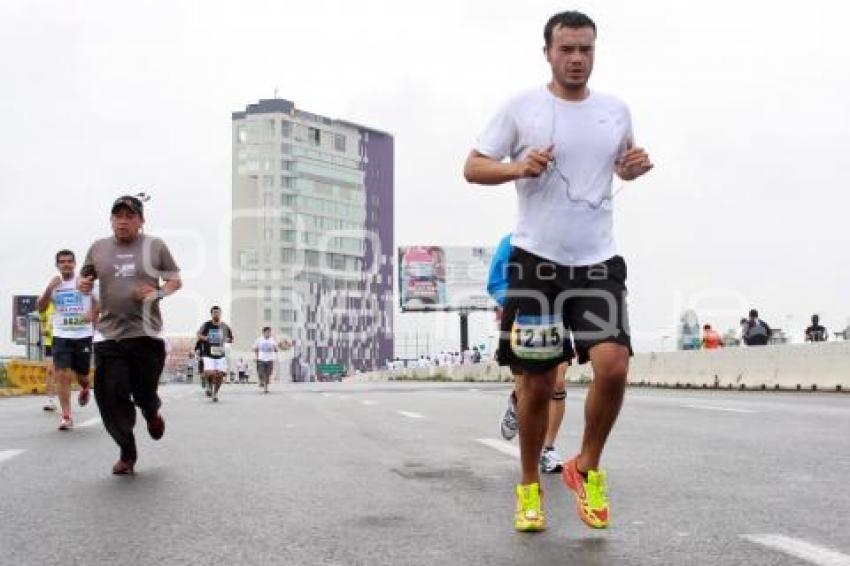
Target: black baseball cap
133, 204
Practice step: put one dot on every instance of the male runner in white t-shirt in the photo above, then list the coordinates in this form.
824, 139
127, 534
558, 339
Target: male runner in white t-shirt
563, 143
72, 333
265, 350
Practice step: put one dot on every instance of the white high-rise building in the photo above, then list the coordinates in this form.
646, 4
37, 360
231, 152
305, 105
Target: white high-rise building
312, 236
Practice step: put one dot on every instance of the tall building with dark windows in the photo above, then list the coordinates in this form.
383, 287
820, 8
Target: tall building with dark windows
312, 236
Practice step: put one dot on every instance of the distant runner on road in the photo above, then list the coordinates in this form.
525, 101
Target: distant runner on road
72, 333
265, 351
213, 335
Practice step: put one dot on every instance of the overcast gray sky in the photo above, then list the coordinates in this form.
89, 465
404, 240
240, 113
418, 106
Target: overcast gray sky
743, 107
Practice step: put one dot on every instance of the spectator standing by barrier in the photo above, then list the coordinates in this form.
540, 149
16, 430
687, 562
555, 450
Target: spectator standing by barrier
816, 332
756, 331
711, 339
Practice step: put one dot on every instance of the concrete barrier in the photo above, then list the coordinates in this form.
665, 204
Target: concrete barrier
489, 371
823, 366
24, 377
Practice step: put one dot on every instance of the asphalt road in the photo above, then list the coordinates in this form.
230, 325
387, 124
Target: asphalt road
391, 473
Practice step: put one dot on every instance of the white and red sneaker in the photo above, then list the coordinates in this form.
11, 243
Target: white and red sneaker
65, 423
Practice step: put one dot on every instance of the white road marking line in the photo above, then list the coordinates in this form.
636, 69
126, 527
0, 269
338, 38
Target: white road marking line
717, 408
473, 389
500, 445
90, 422
9, 454
328, 394
801, 549
411, 415
367, 402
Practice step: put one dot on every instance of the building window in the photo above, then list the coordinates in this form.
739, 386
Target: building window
287, 165
311, 258
286, 148
339, 142
314, 136
287, 236
285, 129
267, 315
287, 315
248, 259
287, 182
287, 255
287, 200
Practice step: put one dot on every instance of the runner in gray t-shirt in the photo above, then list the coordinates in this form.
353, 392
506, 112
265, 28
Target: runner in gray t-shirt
129, 361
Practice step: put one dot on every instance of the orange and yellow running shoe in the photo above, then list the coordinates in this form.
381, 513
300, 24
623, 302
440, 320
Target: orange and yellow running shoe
591, 494
529, 509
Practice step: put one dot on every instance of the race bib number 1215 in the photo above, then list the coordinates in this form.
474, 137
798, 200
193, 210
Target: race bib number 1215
538, 338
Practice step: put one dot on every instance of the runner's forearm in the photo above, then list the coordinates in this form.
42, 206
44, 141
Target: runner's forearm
43, 301
486, 171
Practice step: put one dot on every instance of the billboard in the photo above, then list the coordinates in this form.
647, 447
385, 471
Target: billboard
22, 305
444, 278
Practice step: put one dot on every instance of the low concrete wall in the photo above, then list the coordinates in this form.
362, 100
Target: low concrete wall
823, 366
489, 371
805, 366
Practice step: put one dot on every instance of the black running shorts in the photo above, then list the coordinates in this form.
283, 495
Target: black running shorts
555, 312
72, 353
264, 370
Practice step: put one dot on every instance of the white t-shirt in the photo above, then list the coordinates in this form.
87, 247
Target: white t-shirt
266, 348
70, 307
566, 215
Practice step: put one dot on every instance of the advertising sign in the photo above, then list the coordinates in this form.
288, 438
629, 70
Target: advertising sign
444, 278
22, 305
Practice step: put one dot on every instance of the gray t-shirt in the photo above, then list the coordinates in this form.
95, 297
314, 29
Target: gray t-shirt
121, 268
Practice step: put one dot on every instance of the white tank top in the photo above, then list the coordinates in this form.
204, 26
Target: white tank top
71, 305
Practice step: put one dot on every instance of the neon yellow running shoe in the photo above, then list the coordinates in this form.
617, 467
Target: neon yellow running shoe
529, 509
591, 494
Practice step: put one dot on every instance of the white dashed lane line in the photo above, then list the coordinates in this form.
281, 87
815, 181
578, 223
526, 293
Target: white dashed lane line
90, 422
500, 445
411, 415
717, 408
801, 549
9, 454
